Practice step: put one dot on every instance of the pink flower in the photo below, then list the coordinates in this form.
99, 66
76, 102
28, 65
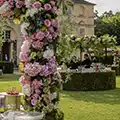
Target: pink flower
37, 91
35, 96
40, 35
49, 37
54, 9
34, 36
23, 57
51, 29
36, 84
24, 81
47, 22
19, 4
1, 2
26, 37
11, 3
37, 44
52, 2
34, 102
47, 7
36, 5
32, 69
54, 23
47, 33
25, 47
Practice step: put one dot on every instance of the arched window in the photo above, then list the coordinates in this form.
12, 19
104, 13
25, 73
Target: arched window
82, 10
81, 30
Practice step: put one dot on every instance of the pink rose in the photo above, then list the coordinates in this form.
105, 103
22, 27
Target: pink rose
37, 44
36, 5
49, 37
11, 3
40, 35
19, 4
54, 9
51, 29
23, 57
23, 81
47, 22
52, 2
25, 47
1, 2
54, 23
47, 7
47, 33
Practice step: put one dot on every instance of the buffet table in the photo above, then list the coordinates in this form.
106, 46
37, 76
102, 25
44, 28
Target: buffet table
89, 81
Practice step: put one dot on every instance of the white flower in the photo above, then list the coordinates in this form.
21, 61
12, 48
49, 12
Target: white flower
31, 12
53, 95
26, 89
28, 3
24, 27
48, 53
4, 8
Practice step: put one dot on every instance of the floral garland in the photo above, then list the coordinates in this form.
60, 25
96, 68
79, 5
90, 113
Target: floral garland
41, 82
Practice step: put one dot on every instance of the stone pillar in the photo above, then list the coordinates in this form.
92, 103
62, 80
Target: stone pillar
19, 43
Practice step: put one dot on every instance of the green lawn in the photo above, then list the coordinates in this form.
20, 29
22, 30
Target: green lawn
103, 105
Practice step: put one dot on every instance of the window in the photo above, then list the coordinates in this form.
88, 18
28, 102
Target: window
7, 35
81, 10
82, 31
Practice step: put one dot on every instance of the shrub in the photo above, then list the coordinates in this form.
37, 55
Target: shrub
6, 66
116, 69
90, 81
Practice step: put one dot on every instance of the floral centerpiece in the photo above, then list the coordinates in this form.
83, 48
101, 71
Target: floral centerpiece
41, 82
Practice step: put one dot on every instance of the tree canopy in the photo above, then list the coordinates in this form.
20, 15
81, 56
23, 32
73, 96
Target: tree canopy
108, 23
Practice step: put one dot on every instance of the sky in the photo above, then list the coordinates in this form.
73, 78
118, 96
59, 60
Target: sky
106, 5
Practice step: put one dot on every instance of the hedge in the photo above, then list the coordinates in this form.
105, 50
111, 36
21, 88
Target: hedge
116, 69
6, 66
89, 81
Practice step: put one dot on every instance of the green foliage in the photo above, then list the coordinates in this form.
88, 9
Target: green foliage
65, 5
55, 115
90, 81
108, 23
7, 67
116, 69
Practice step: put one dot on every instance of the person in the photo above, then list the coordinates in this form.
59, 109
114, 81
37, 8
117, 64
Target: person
6, 57
74, 63
87, 61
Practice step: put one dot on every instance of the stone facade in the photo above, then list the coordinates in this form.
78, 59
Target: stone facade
84, 16
83, 12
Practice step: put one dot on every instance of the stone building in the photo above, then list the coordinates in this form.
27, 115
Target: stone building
83, 12
84, 16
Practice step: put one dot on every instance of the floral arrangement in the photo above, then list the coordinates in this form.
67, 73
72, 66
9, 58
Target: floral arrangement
40, 82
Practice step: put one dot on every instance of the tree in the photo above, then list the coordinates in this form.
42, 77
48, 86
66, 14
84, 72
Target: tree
108, 23
65, 5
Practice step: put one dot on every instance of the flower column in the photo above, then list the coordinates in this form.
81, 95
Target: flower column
41, 81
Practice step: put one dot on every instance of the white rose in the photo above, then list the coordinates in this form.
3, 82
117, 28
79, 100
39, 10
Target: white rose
31, 12
24, 27
53, 95
48, 53
26, 89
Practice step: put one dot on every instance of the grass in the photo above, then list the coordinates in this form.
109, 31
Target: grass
101, 105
